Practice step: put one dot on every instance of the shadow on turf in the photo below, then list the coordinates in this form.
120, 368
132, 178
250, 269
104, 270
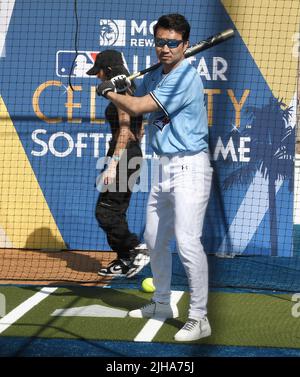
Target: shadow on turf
110, 297
114, 298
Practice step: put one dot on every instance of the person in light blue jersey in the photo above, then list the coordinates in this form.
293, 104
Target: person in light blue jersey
174, 131
173, 97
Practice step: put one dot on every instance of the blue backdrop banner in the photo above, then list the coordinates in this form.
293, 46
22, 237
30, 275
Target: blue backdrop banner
59, 134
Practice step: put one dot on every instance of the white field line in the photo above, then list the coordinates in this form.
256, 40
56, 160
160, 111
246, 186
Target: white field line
153, 325
23, 308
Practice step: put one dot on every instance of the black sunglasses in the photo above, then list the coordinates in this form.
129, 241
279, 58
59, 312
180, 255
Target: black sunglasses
171, 43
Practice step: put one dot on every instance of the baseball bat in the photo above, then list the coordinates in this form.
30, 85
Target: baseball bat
193, 50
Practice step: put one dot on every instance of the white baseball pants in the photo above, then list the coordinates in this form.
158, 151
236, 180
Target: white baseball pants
176, 206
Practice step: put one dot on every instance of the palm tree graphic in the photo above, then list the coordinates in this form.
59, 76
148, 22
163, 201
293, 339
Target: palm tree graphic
272, 150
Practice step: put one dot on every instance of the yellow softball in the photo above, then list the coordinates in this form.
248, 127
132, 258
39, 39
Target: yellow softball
148, 286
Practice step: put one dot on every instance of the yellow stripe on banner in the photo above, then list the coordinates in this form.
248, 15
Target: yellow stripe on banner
270, 30
25, 217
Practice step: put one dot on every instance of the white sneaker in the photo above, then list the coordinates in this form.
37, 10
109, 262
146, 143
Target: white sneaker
139, 259
193, 330
155, 310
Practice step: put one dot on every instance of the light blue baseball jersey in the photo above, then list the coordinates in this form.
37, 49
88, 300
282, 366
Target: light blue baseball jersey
181, 124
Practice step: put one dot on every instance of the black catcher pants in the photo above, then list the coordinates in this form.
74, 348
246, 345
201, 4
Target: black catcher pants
112, 205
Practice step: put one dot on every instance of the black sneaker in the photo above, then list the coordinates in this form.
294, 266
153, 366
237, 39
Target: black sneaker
118, 268
139, 259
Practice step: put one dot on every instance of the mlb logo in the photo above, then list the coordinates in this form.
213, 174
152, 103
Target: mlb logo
68, 64
112, 32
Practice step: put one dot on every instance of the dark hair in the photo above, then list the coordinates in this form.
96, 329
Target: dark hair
175, 22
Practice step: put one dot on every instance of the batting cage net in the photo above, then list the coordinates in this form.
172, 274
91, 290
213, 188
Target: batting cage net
55, 134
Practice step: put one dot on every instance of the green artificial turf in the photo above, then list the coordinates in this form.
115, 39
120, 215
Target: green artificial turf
239, 319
